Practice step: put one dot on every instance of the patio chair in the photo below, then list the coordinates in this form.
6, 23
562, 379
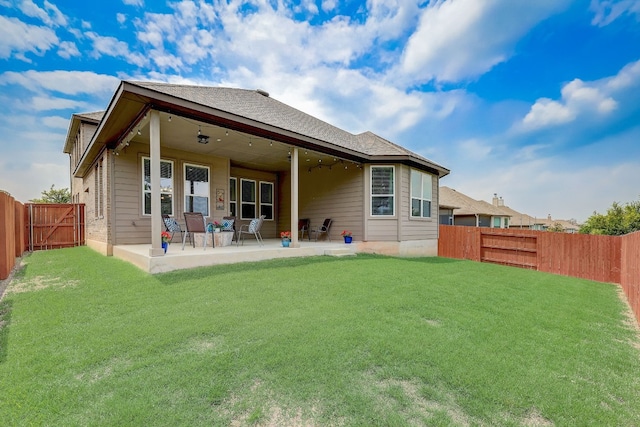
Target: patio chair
252, 228
172, 226
325, 228
303, 227
195, 225
229, 224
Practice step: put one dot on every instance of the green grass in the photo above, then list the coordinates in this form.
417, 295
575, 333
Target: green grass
363, 341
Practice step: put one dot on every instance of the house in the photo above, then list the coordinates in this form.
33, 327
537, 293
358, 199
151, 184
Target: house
524, 221
169, 149
470, 212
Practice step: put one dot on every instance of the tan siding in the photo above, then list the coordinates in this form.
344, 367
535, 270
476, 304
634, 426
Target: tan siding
335, 194
417, 228
270, 228
381, 228
132, 227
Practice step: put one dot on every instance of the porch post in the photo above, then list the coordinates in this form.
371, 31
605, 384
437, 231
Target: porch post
156, 213
294, 198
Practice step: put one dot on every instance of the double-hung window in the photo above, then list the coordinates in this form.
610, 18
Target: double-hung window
166, 186
382, 190
196, 189
421, 190
247, 199
266, 199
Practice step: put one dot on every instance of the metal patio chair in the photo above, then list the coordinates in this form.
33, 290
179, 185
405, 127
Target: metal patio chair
195, 225
252, 228
325, 228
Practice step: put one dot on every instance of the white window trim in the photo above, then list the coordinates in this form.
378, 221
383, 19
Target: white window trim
173, 185
273, 198
371, 195
421, 217
255, 196
233, 202
184, 179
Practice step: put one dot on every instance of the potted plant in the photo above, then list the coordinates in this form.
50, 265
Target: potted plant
347, 236
166, 236
286, 238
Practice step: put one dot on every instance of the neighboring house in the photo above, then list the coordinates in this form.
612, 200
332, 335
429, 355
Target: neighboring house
471, 212
168, 149
524, 221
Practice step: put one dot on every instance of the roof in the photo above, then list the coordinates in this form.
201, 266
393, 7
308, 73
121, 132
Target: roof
252, 112
257, 105
467, 205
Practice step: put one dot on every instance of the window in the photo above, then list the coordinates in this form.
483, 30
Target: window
196, 189
496, 222
421, 185
166, 186
233, 197
382, 190
247, 199
266, 199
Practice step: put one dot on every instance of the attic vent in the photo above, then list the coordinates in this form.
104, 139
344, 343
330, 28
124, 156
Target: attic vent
263, 92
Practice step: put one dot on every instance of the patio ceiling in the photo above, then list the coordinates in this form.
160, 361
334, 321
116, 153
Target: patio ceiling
243, 149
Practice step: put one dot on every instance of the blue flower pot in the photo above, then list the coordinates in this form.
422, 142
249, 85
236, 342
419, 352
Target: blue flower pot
347, 239
285, 243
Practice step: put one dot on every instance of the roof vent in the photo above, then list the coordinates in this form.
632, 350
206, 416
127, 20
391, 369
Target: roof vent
263, 92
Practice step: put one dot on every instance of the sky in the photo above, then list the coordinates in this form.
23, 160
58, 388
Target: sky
536, 101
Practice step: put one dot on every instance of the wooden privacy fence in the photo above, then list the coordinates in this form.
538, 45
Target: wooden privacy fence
611, 259
53, 226
12, 243
35, 227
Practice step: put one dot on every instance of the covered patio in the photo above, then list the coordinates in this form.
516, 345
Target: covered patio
177, 259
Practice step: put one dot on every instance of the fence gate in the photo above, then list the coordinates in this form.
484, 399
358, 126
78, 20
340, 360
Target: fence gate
53, 226
519, 250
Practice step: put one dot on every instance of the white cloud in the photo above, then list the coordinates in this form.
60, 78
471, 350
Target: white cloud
110, 46
66, 82
138, 3
55, 122
18, 38
458, 40
584, 99
68, 49
607, 11
121, 18
50, 15
329, 5
45, 103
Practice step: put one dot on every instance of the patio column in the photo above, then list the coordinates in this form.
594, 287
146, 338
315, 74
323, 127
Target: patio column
156, 212
294, 198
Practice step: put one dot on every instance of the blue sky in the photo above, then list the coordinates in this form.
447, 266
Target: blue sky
537, 101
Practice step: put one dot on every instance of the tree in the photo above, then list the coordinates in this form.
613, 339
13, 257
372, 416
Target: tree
53, 195
556, 227
619, 220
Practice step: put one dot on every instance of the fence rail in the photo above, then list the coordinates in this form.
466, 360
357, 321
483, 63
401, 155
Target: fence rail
613, 259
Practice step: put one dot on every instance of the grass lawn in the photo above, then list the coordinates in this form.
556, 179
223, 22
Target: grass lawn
359, 341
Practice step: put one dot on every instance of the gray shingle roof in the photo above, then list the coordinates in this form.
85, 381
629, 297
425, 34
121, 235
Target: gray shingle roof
96, 115
467, 205
256, 106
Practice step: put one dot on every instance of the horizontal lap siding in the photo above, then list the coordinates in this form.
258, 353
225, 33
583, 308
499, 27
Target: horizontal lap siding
417, 228
269, 227
333, 193
132, 227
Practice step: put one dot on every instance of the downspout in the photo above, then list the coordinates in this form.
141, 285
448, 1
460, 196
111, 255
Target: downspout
111, 211
477, 220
